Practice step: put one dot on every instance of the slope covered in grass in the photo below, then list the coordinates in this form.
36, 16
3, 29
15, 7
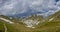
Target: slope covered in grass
1, 26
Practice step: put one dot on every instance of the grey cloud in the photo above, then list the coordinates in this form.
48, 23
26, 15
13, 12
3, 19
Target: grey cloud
12, 7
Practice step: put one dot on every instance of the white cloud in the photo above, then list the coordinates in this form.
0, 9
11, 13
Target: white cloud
12, 7
0, 1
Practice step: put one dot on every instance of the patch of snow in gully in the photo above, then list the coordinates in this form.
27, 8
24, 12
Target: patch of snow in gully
8, 21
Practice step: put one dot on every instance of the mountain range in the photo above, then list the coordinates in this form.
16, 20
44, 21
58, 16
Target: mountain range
36, 23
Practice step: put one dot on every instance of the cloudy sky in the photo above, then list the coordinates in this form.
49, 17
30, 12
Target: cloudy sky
12, 7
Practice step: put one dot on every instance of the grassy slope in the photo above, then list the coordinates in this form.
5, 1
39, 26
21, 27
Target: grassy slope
53, 26
1, 26
45, 27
